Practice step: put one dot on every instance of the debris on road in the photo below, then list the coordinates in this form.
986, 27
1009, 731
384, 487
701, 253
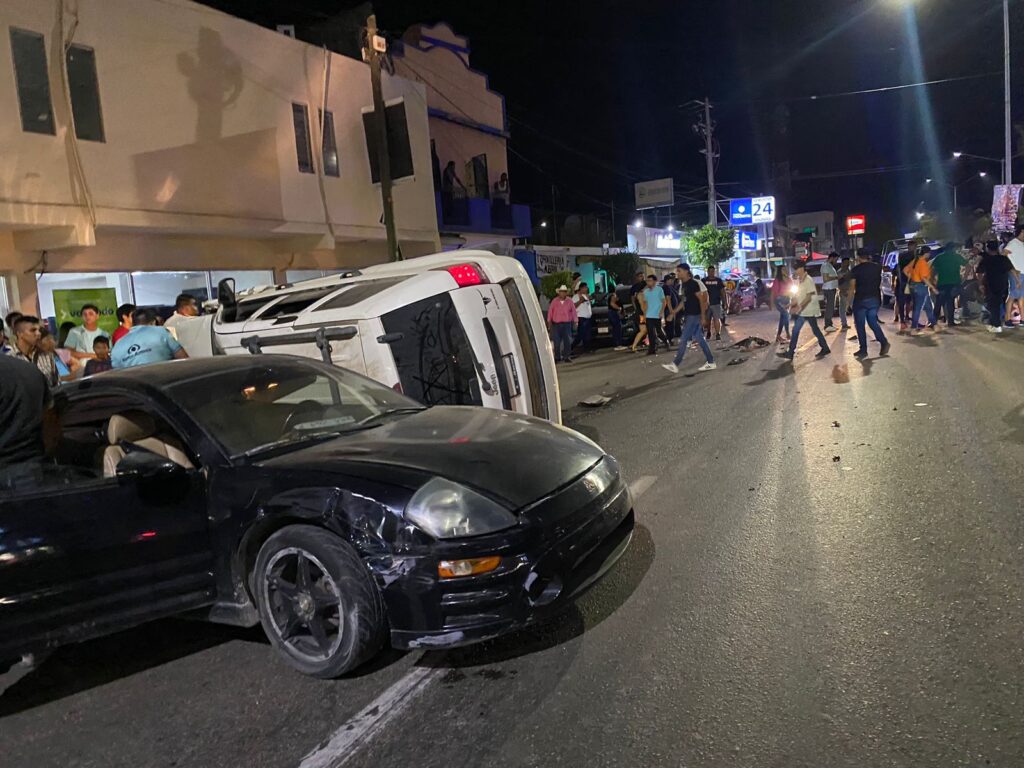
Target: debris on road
920, 405
595, 401
835, 424
738, 360
837, 459
749, 343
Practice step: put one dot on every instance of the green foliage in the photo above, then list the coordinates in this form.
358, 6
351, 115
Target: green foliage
938, 228
709, 246
549, 283
621, 266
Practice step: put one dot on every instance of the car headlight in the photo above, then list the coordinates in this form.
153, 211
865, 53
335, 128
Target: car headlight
447, 510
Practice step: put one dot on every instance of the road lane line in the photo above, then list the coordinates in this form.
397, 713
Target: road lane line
346, 742
639, 486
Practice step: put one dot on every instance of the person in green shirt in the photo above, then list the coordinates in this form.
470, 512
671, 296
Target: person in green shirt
946, 268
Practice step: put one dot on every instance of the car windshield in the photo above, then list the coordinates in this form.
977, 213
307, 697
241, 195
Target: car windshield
273, 402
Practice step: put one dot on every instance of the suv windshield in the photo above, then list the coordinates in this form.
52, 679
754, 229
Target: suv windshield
274, 402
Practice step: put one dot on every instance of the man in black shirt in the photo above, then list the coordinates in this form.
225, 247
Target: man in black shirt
995, 268
716, 305
866, 284
693, 304
24, 403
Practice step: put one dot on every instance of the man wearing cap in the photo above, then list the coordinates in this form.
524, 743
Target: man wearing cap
561, 318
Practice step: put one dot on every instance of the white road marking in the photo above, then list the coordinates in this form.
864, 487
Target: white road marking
346, 742
640, 486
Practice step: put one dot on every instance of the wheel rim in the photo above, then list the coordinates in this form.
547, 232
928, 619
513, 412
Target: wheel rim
303, 603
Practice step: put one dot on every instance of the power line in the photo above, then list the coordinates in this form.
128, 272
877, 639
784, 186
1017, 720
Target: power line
865, 91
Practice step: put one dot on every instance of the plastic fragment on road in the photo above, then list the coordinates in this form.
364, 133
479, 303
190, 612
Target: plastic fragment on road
835, 424
749, 343
920, 405
738, 360
595, 401
837, 459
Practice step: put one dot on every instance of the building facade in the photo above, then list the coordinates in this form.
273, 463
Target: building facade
175, 144
469, 141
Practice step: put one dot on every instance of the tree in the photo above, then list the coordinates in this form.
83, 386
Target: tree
549, 283
710, 246
621, 266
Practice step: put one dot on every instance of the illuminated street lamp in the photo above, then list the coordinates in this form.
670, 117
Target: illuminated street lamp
996, 160
543, 224
638, 223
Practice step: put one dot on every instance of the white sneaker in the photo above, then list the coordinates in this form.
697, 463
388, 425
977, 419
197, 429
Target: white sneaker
708, 367
671, 367
994, 329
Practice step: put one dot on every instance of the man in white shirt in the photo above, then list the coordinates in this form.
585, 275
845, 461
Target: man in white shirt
81, 337
1014, 251
829, 287
184, 308
584, 317
806, 309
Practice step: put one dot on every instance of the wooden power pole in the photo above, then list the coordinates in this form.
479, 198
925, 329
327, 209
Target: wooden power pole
376, 47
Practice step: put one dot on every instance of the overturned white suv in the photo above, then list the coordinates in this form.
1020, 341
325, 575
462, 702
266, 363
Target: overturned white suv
460, 328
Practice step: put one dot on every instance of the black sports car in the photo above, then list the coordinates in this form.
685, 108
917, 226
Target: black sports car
275, 489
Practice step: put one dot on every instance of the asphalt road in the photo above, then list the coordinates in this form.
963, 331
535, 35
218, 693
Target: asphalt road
827, 570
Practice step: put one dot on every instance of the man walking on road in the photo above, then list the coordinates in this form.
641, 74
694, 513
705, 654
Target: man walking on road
652, 302
715, 287
561, 317
947, 266
1014, 251
806, 309
866, 277
694, 306
829, 288
995, 269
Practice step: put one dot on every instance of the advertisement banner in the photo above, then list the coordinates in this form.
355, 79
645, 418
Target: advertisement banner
654, 194
1005, 203
67, 306
550, 263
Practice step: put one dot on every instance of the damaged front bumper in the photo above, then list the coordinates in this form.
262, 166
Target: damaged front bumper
562, 546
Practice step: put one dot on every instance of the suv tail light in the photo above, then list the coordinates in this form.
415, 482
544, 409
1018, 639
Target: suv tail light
467, 274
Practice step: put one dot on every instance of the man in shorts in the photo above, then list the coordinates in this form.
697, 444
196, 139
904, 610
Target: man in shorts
716, 303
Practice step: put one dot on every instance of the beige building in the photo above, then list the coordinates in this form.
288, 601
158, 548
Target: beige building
176, 144
468, 130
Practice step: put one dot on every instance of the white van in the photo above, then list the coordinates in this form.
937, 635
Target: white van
459, 328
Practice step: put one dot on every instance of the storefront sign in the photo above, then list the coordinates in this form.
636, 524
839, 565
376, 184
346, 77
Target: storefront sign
746, 241
856, 225
669, 242
67, 306
751, 210
550, 263
1005, 204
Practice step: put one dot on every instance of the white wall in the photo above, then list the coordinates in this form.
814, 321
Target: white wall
197, 111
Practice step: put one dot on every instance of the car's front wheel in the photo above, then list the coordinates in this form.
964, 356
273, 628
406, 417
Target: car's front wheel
317, 603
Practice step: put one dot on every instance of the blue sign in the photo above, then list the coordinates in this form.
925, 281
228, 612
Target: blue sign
751, 210
740, 212
747, 241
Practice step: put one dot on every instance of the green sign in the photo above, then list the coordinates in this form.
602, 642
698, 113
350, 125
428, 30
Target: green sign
67, 306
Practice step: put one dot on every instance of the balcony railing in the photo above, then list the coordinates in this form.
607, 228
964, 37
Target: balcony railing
477, 214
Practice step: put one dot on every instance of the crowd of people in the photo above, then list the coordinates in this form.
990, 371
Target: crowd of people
87, 349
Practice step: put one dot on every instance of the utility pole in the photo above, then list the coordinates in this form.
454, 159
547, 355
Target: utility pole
707, 129
376, 47
1008, 171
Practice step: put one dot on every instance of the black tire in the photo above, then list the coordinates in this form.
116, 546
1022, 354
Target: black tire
358, 615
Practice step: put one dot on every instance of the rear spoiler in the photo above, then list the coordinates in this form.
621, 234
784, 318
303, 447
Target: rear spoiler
322, 337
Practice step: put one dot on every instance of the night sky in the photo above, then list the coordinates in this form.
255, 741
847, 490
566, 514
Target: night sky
595, 90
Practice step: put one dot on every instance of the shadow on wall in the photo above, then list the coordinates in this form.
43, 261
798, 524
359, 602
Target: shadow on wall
236, 175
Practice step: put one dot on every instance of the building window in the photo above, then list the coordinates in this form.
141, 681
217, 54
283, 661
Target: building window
300, 117
85, 93
330, 145
29, 52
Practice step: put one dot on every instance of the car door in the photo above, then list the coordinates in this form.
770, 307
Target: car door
82, 554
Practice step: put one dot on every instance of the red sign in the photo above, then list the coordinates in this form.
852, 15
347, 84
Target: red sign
856, 225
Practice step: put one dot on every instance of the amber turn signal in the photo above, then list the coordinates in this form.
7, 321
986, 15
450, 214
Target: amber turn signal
454, 569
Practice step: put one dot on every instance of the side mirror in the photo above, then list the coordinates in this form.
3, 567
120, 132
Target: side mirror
227, 300
146, 466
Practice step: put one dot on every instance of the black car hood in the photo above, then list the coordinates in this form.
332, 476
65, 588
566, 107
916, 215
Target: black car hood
512, 458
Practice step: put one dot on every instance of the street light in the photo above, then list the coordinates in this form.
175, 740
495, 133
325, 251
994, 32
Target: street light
638, 223
957, 155
1008, 123
543, 223
670, 227
919, 214
996, 160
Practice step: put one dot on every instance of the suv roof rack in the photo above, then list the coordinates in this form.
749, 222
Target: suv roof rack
322, 337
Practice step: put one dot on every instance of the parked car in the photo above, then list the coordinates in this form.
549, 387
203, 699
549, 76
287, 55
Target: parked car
602, 330
339, 514
888, 297
742, 298
461, 328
